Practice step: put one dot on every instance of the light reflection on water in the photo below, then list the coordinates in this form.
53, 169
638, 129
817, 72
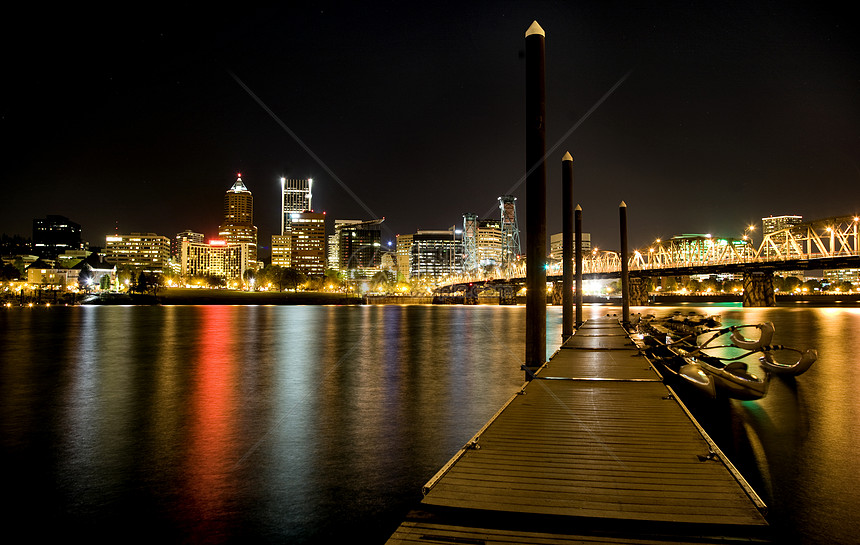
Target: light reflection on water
313, 423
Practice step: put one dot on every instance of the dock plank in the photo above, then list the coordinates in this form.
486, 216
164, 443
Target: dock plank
599, 441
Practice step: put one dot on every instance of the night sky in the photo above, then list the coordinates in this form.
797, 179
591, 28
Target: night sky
721, 113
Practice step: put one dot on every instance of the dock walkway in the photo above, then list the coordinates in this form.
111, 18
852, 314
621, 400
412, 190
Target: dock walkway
595, 449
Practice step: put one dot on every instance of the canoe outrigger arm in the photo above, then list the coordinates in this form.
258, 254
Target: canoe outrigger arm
750, 344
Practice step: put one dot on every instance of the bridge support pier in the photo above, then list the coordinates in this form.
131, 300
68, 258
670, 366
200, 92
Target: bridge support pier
557, 293
638, 291
470, 296
758, 289
507, 294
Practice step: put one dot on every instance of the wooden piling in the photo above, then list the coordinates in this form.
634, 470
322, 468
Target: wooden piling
567, 246
535, 200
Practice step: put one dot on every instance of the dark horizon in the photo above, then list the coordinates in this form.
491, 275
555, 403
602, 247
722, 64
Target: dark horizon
701, 119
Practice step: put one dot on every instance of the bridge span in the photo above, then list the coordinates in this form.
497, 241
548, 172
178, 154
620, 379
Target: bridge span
830, 243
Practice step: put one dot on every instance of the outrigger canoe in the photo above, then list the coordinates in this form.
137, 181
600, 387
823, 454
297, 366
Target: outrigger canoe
683, 358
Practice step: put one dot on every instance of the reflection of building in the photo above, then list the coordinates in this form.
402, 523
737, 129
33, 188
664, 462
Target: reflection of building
142, 251
556, 244
359, 252
54, 235
307, 249
429, 254
217, 258
238, 226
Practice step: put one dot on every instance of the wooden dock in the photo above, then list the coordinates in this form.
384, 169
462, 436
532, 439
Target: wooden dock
595, 449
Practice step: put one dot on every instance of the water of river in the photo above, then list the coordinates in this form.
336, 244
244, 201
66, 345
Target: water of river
311, 424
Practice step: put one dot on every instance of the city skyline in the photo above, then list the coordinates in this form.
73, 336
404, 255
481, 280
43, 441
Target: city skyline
701, 121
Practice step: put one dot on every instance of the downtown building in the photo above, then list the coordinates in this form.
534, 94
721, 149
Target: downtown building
219, 258
146, 252
238, 225
430, 254
772, 225
301, 243
483, 243
176, 242
307, 242
556, 244
54, 235
358, 252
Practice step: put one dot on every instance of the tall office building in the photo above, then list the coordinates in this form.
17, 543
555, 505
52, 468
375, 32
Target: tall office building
282, 249
403, 251
302, 243
359, 247
307, 242
176, 242
53, 235
483, 243
332, 255
238, 226
430, 254
556, 243
490, 243
296, 196
771, 224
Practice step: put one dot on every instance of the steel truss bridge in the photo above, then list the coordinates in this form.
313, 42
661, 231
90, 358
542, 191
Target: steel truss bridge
830, 243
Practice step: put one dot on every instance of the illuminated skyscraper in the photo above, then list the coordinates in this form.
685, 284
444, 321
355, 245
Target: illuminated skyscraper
296, 196
238, 226
359, 246
307, 252
430, 254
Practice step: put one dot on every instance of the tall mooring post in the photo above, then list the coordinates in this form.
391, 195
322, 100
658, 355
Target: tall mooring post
625, 280
567, 246
535, 200
577, 252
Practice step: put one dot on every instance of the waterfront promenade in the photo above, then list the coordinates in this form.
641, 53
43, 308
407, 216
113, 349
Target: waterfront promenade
595, 449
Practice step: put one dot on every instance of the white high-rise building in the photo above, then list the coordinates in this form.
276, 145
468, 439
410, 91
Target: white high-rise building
296, 197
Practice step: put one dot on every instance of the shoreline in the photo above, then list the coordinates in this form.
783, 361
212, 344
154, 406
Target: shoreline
194, 296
